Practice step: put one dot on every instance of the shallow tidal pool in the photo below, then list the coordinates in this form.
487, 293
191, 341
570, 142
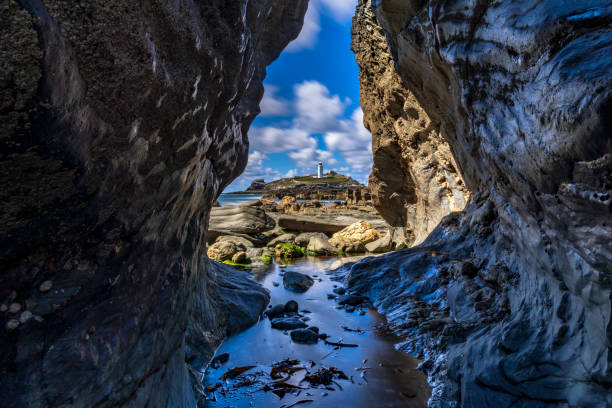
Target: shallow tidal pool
373, 374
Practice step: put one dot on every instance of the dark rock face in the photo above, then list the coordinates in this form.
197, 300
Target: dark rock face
121, 122
508, 301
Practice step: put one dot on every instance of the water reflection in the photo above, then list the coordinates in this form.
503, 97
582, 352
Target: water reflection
380, 376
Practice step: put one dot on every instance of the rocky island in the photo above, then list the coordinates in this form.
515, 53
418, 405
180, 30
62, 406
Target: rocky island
121, 285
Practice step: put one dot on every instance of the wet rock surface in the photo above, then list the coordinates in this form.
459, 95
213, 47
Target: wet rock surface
297, 282
509, 300
121, 122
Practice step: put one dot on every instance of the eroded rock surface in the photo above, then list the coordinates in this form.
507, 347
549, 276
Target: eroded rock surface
121, 123
414, 180
509, 301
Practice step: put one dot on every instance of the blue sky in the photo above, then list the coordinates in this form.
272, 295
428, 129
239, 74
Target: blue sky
310, 110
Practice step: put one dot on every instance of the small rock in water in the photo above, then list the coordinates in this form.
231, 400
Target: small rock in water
287, 323
14, 308
25, 316
305, 319
353, 300
3, 308
275, 311
291, 307
275, 284
339, 291
362, 312
304, 336
46, 286
12, 324
219, 360
314, 329
331, 296
350, 308
297, 282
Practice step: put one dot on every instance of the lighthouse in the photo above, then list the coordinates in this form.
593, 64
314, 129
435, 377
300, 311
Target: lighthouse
320, 170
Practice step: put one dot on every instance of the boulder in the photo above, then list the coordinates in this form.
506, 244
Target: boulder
303, 239
287, 201
236, 240
321, 246
224, 250
309, 224
240, 257
213, 234
297, 282
284, 238
394, 239
242, 220
354, 237
288, 251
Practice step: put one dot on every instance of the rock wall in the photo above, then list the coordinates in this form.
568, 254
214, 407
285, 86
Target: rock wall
414, 180
508, 301
121, 122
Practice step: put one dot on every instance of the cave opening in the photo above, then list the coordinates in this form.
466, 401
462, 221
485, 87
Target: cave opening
455, 253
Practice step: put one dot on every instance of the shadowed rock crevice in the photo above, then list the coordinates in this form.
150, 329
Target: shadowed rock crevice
508, 301
128, 121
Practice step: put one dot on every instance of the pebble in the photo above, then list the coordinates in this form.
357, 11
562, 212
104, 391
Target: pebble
12, 324
46, 286
276, 284
3, 308
25, 316
339, 291
14, 308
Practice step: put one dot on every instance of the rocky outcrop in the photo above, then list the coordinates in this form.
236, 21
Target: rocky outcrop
309, 224
354, 237
414, 180
508, 301
121, 123
240, 220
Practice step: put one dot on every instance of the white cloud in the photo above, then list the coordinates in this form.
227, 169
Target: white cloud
351, 135
254, 170
291, 173
310, 30
271, 105
277, 140
317, 110
341, 10
308, 158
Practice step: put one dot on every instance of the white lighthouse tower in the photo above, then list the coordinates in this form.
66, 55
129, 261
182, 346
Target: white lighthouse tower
320, 170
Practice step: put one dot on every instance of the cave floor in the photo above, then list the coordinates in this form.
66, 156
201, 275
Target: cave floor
377, 375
